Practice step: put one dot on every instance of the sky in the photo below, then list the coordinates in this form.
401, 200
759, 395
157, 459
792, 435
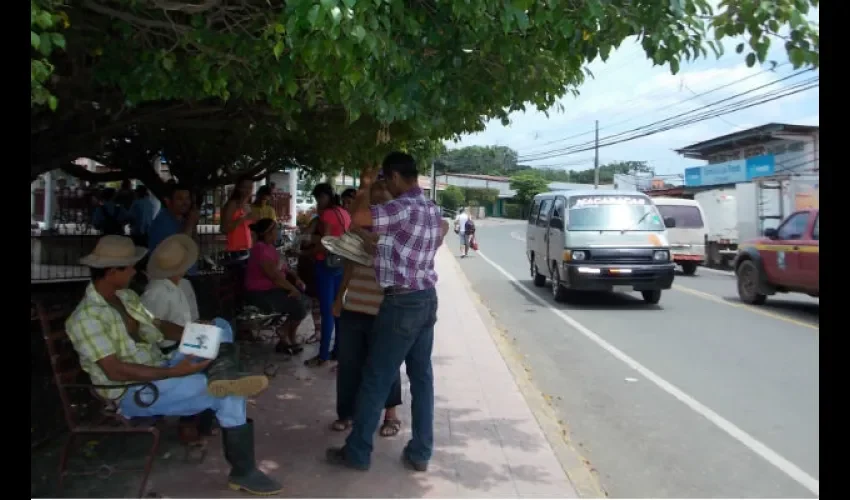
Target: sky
628, 92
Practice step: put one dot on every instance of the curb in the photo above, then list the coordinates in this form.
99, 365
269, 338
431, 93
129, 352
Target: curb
577, 468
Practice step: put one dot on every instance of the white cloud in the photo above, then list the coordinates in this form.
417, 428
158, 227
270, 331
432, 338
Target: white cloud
627, 93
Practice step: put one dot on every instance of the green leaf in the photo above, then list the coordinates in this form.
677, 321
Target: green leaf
291, 88
359, 32
278, 49
52, 103
797, 56
44, 20
35, 40
521, 19
349, 3
751, 60
740, 48
58, 40
313, 15
674, 66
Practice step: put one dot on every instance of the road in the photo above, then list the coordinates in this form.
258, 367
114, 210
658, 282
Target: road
699, 396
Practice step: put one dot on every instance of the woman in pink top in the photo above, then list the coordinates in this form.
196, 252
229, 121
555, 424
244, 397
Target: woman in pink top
333, 221
272, 287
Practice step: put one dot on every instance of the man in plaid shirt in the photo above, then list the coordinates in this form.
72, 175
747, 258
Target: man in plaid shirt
407, 231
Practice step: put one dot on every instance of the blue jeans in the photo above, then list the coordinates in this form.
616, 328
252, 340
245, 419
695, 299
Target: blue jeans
356, 338
404, 332
186, 396
328, 281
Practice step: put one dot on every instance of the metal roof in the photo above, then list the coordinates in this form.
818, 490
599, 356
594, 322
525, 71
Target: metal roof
742, 138
590, 192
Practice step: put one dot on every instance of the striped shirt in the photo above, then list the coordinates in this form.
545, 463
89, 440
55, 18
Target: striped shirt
363, 294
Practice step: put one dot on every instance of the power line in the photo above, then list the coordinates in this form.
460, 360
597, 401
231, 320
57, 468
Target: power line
680, 115
683, 120
695, 96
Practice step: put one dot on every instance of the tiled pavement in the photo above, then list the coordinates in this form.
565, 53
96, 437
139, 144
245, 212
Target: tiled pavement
488, 443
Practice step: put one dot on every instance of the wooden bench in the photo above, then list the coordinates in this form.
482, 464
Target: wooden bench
87, 412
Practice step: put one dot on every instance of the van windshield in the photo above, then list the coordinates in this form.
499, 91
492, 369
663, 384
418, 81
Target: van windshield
686, 216
613, 213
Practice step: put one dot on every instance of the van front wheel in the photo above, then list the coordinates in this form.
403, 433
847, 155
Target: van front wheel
539, 279
651, 296
689, 268
558, 291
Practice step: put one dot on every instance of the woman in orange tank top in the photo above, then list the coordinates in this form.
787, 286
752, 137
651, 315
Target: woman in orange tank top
236, 218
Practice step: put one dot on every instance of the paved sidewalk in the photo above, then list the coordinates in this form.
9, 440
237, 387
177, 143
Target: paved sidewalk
487, 441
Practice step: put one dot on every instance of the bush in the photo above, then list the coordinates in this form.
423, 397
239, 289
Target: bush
513, 211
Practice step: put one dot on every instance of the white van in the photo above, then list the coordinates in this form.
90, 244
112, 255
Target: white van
599, 240
687, 239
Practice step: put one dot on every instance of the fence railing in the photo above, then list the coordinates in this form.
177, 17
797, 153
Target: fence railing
55, 253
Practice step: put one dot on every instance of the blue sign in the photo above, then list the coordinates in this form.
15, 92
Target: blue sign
730, 172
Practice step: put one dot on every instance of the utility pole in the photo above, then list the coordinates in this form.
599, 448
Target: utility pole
596, 159
434, 180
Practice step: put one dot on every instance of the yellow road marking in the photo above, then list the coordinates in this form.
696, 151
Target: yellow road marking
769, 314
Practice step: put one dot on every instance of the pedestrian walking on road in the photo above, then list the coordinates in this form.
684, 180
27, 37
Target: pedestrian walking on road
460, 229
411, 230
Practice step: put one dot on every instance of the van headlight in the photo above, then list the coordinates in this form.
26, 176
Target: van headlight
661, 255
578, 255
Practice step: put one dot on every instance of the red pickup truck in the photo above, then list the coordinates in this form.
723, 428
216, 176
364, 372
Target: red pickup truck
785, 260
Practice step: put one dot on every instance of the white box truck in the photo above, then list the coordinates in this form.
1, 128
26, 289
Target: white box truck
742, 212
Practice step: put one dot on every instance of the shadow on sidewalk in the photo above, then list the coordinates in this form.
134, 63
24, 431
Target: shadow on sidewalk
476, 453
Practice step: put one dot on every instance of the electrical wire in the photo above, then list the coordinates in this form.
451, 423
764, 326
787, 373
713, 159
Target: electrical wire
670, 123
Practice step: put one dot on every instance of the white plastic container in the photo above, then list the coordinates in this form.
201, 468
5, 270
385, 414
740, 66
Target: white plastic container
200, 340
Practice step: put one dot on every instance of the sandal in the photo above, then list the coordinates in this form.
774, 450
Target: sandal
315, 361
341, 425
290, 349
390, 427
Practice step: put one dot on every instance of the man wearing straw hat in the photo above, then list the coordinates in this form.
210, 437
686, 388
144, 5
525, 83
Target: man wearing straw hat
117, 340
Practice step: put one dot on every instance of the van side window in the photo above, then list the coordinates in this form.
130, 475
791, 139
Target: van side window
558, 209
532, 213
543, 218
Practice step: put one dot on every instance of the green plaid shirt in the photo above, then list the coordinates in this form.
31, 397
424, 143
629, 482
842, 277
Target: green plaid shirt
97, 330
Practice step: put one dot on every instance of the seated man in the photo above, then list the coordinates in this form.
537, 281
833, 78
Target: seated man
169, 296
118, 339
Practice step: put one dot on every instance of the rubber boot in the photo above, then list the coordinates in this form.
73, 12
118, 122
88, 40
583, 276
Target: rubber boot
225, 379
239, 453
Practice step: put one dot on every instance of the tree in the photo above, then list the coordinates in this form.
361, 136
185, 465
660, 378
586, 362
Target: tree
480, 196
528, 185
451, 197
481, 160
394, 71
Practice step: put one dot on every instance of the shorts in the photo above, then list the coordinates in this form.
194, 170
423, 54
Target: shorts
277, 300
464, 238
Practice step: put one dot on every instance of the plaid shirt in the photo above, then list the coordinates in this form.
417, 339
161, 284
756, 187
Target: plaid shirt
409, 236
97, 330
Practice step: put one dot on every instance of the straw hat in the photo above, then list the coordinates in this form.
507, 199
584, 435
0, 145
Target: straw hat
114, 251
173, 257
348, 246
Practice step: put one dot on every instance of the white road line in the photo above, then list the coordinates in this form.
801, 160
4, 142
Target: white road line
716, 271
756, 446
